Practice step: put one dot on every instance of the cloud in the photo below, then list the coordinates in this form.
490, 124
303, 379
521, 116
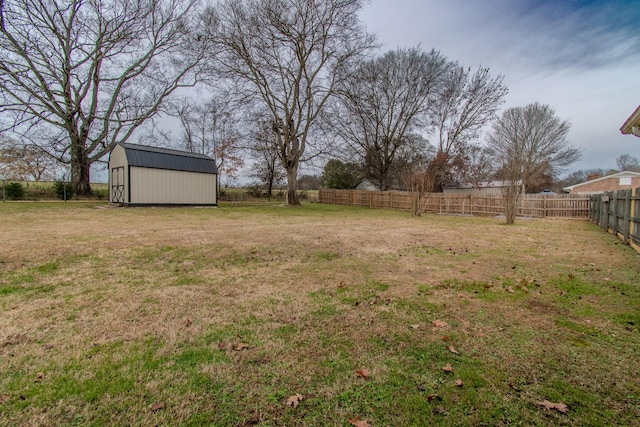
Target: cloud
581, 57
579, 35
533, 33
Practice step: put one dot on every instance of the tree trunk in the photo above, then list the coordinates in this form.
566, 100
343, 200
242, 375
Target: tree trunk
80, 172
270, 186
511, 196
292, 184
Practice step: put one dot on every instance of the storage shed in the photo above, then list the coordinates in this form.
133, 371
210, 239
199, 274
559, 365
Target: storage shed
141, 175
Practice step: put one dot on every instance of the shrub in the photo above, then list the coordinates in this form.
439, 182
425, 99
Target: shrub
14, 191
59, 188
254, 191
100, 193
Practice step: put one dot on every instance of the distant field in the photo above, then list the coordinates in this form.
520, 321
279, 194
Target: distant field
318, 315
44, 190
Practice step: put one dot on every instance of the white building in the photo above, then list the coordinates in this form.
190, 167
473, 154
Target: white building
140, 175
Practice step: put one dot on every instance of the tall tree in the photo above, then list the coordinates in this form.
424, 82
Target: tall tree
382, 102
340, 175
464, 104
627, 162
79, 76
25, 162
264, 152
288, 55
527, 143
210, 128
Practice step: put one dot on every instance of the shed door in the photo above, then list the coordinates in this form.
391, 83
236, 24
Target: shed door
117, 185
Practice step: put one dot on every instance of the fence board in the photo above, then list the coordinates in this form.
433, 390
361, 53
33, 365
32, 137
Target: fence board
537, 206
618, 212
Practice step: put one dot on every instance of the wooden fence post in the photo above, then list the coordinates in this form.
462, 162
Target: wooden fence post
632, 217
606, 204
627, 212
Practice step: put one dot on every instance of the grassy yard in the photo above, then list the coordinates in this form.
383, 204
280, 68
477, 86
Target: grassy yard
319, 315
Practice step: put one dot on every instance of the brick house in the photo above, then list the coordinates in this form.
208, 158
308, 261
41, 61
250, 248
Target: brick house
618, 181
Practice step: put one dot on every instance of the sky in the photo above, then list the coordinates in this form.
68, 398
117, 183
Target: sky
580, 57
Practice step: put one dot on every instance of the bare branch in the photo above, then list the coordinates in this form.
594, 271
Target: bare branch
287, 55
95, 70
528, 142
382, 102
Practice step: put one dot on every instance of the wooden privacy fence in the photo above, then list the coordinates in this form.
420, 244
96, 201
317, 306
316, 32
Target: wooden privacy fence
618, 212
537, 206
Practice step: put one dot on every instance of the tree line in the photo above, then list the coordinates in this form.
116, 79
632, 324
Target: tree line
282, 82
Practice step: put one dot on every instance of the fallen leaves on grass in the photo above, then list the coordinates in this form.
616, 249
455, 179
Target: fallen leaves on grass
156, 406
415, 326
439, 324
453, 350
4, 398
434, 396
39, 377
241, 346
222, 346
509, 289
357, 422
363, 373
294, 400
458, 383
560, 407
448, 368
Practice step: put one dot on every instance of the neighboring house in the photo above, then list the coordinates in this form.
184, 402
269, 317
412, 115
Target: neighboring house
485, 188
632, 125
367, 185
618, 181
140, 175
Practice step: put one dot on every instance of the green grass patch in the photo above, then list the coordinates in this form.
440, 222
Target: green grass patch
216, 317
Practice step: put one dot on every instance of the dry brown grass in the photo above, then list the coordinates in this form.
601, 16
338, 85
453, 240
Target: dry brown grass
536, 311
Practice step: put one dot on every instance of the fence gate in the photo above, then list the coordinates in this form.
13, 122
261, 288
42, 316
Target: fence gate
117, 185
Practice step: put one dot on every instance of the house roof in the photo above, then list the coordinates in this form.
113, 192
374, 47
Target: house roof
632, 121
482, 184
624, 174
165, 158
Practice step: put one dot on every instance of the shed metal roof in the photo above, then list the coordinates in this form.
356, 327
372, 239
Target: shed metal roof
164, 158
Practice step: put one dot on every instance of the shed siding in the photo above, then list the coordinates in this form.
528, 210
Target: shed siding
118, 158
161, 186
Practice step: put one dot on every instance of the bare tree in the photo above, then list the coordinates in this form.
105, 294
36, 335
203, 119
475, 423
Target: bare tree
25, 162
263, 149
420, 184
528, 142
382, 102
288, 54
464, 104
79, 76
210, 128
627, 162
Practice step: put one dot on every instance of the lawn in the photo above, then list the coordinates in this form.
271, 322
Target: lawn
311, 316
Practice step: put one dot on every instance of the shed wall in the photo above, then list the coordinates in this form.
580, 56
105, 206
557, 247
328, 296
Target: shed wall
118, 188
160, 186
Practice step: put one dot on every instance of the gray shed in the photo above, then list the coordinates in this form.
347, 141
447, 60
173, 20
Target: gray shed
140, 175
